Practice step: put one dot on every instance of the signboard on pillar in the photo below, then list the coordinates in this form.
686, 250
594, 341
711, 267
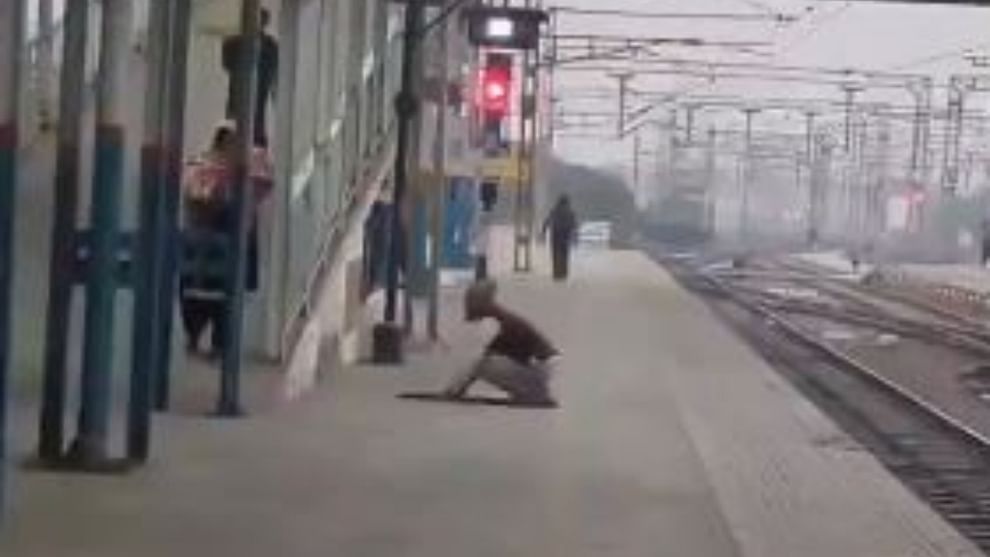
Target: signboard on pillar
505, 169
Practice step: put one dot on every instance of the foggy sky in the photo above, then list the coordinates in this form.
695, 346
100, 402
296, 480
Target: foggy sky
893, 37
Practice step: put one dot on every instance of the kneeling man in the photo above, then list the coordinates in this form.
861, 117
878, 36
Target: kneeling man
518, 360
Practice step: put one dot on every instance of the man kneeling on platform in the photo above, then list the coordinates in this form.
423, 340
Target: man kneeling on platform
519, 360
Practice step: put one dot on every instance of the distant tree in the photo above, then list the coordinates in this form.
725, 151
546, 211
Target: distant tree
596, 194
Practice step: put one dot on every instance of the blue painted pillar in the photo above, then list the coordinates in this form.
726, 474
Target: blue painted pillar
417, 276
90, 447
11, 47
174, 147
146, 339
61, 273
63, 257
458, 221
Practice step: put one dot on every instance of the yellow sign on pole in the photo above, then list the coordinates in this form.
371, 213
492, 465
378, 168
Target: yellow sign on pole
506, 169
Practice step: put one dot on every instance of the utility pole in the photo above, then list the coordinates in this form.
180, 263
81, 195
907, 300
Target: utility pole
672, 151
174, 138
12, 23
245, 76
387, 336
809, 161
63, 253
520, 259
551, 78
851, 90
954, 125
921, 92
862, 182
623, 79
532, 116
881, 179
416, 196
809, 137
689, 124
46, 63
799, 161
658, 162
711, 181
89, 450
747, 177
156, 260
146, 284
525, 197
636, 180
438, 192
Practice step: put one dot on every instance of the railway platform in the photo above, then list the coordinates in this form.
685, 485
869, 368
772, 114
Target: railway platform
673, 438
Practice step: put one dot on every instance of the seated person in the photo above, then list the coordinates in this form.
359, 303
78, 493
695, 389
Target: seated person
518, 360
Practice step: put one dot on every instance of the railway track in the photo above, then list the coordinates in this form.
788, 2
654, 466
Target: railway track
921, 303
940, 457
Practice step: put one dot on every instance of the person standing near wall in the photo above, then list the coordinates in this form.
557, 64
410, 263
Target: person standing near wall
266, 78
375, 249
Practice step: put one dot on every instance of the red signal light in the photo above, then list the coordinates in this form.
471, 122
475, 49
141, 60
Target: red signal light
494, 92
495, 88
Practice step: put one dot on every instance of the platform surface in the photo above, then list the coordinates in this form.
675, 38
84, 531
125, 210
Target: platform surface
673, 438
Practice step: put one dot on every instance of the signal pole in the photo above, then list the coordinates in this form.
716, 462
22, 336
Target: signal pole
229, 401
750, 113
851, 90
46, 63
623, 79
12, 25
388, 336
438, 191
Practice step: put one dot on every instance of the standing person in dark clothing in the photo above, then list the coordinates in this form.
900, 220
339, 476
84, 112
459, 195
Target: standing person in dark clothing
519, 360
266, 78
562, 225
375, 246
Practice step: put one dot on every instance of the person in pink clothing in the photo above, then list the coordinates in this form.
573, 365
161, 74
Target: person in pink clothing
208, 222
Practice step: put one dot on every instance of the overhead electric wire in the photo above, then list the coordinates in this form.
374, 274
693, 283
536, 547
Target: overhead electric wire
760, 6
849, 72
938, 57
586, 39
671, 15
742, 76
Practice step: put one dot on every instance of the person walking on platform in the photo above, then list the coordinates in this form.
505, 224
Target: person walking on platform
266, 78
518, 361
208, 221
562, 225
